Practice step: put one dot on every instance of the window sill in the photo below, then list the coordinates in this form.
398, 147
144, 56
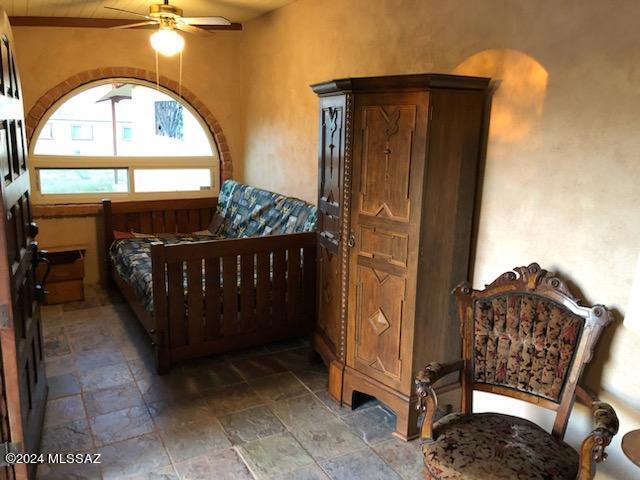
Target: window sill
57, 210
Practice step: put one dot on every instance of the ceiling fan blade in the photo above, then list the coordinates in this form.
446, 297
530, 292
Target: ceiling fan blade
135, 25
205, 20
130, 13
191, 29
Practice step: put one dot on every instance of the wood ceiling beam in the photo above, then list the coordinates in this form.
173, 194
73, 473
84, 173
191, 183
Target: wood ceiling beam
80, 22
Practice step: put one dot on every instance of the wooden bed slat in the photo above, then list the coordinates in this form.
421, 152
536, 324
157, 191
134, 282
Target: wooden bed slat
279, 287
293, 285
157, 223
133, 222
309, 282
205, 218
177, 327
263, 289
194, 220
145, 222
212, 297
230, 295
182, 219
195, 301
119, 223
247, 292
170, 221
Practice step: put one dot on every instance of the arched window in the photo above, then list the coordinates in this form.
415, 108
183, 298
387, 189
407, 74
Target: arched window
122, 138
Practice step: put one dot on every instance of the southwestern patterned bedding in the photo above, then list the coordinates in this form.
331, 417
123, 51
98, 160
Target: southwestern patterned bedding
243, 211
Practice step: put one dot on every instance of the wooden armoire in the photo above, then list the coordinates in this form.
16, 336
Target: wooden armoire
398, 164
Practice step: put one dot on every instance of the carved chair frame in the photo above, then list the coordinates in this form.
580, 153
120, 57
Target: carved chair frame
531, 280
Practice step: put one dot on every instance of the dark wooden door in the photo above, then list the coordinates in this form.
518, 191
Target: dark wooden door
388, 171
331, 170
24, 386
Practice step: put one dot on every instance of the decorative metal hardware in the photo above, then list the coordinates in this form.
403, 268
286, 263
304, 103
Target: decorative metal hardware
39, 256
352, 241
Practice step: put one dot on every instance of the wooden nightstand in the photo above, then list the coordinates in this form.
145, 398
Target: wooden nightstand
65, 281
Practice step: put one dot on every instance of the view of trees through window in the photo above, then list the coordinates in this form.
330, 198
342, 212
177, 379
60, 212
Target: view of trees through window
123, 120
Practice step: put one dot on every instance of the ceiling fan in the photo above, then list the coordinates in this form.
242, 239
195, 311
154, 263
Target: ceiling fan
169, 18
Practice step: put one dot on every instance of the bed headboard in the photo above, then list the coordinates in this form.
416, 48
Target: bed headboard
157, 216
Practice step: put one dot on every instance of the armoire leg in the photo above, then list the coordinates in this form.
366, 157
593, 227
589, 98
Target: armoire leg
336, 374
406, 420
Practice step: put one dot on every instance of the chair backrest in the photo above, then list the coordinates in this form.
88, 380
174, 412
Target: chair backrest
526, 336
247, 211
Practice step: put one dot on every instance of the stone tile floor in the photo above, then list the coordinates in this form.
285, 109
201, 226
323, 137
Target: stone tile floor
262, 413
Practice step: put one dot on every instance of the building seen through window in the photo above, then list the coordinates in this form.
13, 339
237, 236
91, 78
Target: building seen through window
125, 121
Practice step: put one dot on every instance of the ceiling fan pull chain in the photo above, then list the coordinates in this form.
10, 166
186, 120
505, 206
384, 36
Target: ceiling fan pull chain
157, 72
180, 78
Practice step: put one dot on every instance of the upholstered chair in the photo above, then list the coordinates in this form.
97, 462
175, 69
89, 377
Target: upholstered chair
527, 337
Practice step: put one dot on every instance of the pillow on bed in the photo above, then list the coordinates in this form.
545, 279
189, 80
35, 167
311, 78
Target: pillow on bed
119, 235
215, 224
205, 233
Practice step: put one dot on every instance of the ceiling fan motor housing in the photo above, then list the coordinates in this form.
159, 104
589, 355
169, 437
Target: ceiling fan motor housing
164, 10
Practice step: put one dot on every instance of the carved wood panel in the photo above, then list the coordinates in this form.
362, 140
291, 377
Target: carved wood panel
387, 133
331, 157
379, 320
384, 245
384, 193
329, 294
330, 196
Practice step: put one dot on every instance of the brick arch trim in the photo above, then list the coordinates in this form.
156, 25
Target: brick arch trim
53, 95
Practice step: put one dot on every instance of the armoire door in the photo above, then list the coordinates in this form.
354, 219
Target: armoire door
24, 386
388, 172
330, 197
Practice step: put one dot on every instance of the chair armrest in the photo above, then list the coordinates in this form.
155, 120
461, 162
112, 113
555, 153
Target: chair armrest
427, 399
592, 448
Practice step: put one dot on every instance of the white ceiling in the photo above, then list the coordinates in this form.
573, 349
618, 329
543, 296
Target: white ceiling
234, 10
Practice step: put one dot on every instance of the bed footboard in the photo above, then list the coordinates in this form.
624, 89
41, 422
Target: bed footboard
212, 297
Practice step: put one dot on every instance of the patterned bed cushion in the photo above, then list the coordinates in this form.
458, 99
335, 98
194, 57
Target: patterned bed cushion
132, 260
490, 446
248, 211
524, 342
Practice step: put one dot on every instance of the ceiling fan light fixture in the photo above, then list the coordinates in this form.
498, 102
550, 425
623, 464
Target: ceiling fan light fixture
167, 42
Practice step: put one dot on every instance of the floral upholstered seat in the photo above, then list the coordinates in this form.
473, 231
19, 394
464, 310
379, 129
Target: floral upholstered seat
490, 446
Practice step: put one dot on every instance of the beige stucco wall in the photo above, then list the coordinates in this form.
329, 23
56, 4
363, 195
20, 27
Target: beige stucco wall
47, 56
562, 173
562, 177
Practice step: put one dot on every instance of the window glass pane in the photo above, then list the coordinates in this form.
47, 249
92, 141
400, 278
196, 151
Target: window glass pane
162, 126
83, 180
82, 132
172, 179
127, 133
47, 132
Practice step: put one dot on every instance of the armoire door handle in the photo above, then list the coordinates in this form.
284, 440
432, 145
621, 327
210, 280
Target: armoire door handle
352, 241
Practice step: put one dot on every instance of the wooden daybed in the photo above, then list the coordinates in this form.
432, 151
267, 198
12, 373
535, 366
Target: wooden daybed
222, 293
